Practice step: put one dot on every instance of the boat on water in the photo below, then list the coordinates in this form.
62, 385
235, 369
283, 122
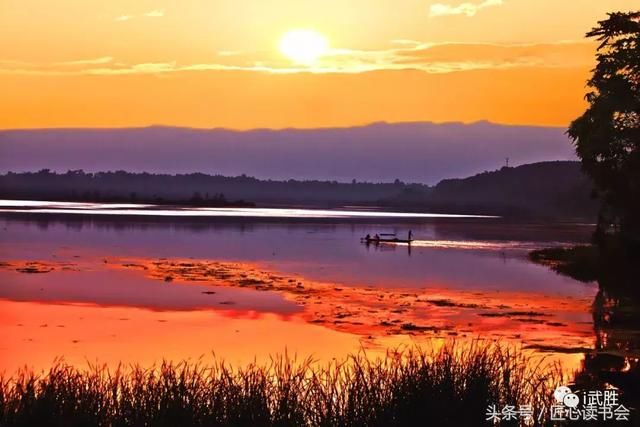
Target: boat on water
381, 240
386, 238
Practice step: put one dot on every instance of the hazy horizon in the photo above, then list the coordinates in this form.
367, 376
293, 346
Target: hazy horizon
276, 128
424, 152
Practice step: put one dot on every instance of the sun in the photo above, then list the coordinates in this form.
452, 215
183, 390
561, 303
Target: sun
304, 47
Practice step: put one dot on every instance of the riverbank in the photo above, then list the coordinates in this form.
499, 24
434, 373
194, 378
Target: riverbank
615, 358
579, 262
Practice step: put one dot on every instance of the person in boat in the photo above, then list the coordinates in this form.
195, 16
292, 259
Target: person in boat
377, 237
367, 237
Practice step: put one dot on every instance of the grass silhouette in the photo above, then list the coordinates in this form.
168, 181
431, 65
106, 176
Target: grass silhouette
451, 386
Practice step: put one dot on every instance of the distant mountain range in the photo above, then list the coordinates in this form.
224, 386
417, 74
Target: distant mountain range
541, 190
381, 152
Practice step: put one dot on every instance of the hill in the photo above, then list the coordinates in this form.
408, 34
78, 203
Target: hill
381, 152
556, 189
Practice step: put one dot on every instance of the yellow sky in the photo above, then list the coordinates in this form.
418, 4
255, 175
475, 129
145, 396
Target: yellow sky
216, 63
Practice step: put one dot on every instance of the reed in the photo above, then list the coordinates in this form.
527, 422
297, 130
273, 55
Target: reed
451, 386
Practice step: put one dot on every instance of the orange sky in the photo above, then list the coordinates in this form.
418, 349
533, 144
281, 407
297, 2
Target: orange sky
216, 63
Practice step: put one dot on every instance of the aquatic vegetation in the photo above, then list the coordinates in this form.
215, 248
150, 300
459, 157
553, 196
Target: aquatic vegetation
371, 311
578, 262
613, 265
453, 386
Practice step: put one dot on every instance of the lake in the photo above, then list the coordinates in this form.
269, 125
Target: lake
93, 283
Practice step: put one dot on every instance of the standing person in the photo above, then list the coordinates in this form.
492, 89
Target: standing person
410, 235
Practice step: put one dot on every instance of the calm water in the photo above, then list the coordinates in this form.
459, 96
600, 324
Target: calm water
152, 285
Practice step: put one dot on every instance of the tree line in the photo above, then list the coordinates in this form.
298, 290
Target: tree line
194, 188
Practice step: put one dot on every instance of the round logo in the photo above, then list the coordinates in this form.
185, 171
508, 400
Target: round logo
561, 392
571, 400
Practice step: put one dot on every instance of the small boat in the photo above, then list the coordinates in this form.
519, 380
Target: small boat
383, 240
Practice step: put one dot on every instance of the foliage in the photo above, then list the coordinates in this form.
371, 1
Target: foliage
614, 266
578, 262
607, 135
193, 188
545, 189
453, 386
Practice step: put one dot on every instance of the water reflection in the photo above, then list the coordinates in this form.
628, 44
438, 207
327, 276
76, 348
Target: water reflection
35, 335
463, 254
464, 278
100, 285
114, 209
615, 359
386, 246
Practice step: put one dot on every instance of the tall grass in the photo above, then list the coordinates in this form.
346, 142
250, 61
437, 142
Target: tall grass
452, 386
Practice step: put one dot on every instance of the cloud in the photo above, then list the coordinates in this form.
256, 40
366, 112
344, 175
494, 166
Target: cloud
467, 8
93, 61
406, 42
157, 13
229, 53
429, 58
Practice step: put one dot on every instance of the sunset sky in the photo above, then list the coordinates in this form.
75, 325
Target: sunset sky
222, 63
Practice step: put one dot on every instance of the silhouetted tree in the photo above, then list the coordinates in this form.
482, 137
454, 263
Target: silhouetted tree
607, 135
